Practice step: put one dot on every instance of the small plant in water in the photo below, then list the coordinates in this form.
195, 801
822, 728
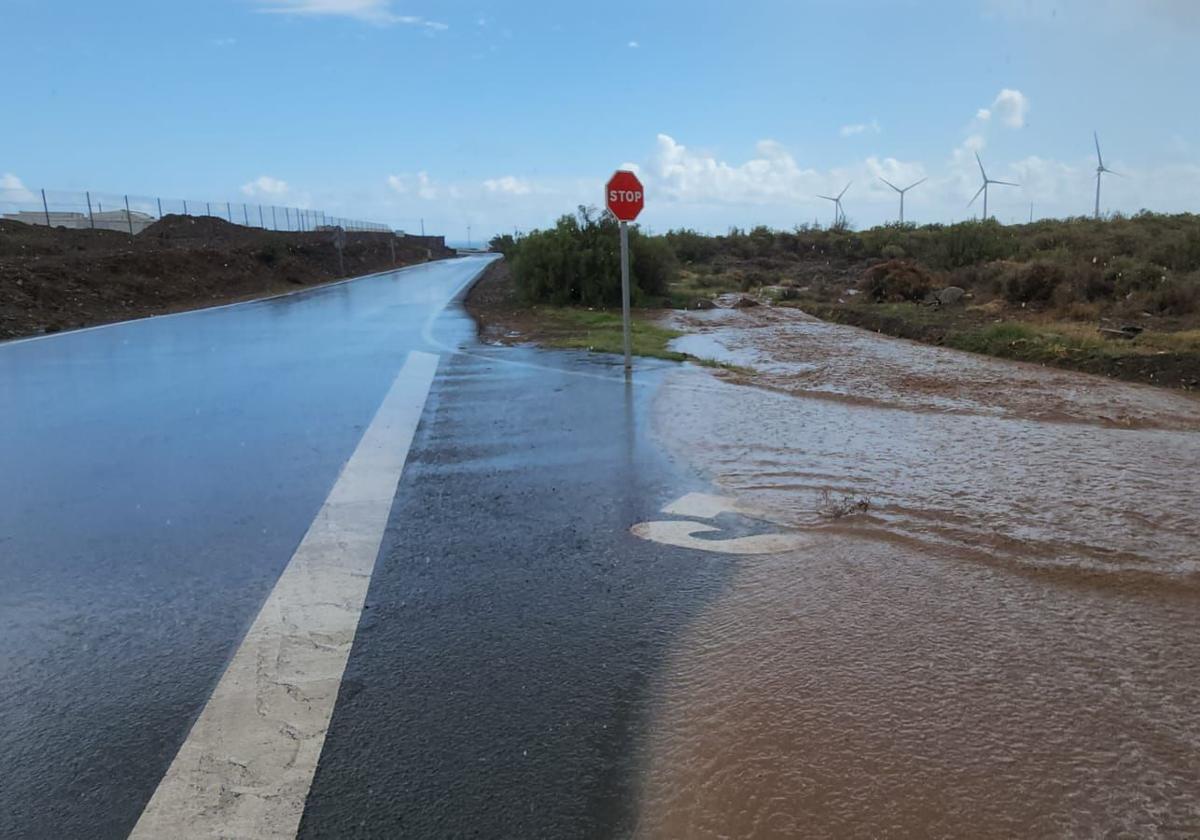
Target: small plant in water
836, 508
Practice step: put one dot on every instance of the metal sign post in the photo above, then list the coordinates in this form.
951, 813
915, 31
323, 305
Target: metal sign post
625, 197
625, 294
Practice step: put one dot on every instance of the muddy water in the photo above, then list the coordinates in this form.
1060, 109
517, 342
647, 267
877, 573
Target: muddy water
1006, 644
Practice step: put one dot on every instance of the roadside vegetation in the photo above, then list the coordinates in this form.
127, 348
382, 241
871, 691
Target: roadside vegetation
1117, 296
578, 263
505, 316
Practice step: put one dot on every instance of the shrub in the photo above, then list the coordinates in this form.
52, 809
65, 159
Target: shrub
503, 243
897, 280
578, 262
1034, 282
1175, 297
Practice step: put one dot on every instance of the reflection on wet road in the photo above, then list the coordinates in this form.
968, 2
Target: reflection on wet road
567, 630
1006, 644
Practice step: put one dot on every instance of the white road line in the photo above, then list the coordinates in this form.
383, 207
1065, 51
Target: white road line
248, 762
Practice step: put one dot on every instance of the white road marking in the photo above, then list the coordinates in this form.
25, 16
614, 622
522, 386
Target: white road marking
708, 506
682, 533
248, 762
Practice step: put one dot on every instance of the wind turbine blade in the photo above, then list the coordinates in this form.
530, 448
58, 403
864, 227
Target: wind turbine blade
981, 189
1005, 183
910, 186
1099, 159
843, 192
890, 184
981, 169
1108, 171
827, 197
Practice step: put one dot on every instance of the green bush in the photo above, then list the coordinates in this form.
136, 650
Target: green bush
1175, 297
1035, 282
578, 262
504, 243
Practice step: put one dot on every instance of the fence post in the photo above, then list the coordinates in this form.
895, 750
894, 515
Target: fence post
91, 218
46, 208
159, 200
129, 218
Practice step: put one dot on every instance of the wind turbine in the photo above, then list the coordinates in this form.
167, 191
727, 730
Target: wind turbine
984, 188
902, 192
1100, 170
838, 215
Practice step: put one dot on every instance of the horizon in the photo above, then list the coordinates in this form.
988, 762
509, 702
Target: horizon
524, 113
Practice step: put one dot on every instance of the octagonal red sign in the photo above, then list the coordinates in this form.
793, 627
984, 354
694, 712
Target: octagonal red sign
624, 196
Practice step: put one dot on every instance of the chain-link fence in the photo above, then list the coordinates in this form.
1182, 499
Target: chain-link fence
134, 213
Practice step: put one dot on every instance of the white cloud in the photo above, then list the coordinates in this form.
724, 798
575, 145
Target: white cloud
378, 12
420, 184
508, 184
12, 189
223, 42
859, 128
1011, 107
684, 175
264, 186
633, 45
983, 114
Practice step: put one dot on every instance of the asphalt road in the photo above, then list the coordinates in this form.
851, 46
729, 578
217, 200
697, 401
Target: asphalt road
160, 476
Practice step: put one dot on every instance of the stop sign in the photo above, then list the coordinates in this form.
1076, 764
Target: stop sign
624, 195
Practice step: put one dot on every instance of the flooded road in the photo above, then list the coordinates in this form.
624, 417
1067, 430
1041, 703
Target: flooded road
1005, 643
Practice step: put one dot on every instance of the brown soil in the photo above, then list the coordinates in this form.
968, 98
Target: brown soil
952, 324
502, 318
57, 279
493, 303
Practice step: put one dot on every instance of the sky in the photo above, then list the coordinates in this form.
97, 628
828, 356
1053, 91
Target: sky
504, 116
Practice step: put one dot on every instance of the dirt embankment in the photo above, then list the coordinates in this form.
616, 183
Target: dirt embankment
57, 279
493, 304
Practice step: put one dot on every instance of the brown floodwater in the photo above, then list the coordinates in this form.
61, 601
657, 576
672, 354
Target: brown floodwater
1005, 644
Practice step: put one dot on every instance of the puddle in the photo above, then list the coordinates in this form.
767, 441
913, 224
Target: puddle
1005, 644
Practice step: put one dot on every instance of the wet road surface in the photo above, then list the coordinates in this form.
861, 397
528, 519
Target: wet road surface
564, 632
160, 474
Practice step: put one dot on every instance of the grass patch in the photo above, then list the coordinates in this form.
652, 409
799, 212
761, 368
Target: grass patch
600, 331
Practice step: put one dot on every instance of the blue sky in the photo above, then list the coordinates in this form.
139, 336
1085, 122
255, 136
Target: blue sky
503, 115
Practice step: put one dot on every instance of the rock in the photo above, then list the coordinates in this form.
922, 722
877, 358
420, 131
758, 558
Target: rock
704, 303
947, 296
745, 303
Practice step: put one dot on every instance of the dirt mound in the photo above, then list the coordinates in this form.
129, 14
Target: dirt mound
54, 278
199, 231
896, 280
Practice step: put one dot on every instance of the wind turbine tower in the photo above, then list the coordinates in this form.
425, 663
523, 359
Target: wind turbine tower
902, 192
1100, 170
984, 188
838, 216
